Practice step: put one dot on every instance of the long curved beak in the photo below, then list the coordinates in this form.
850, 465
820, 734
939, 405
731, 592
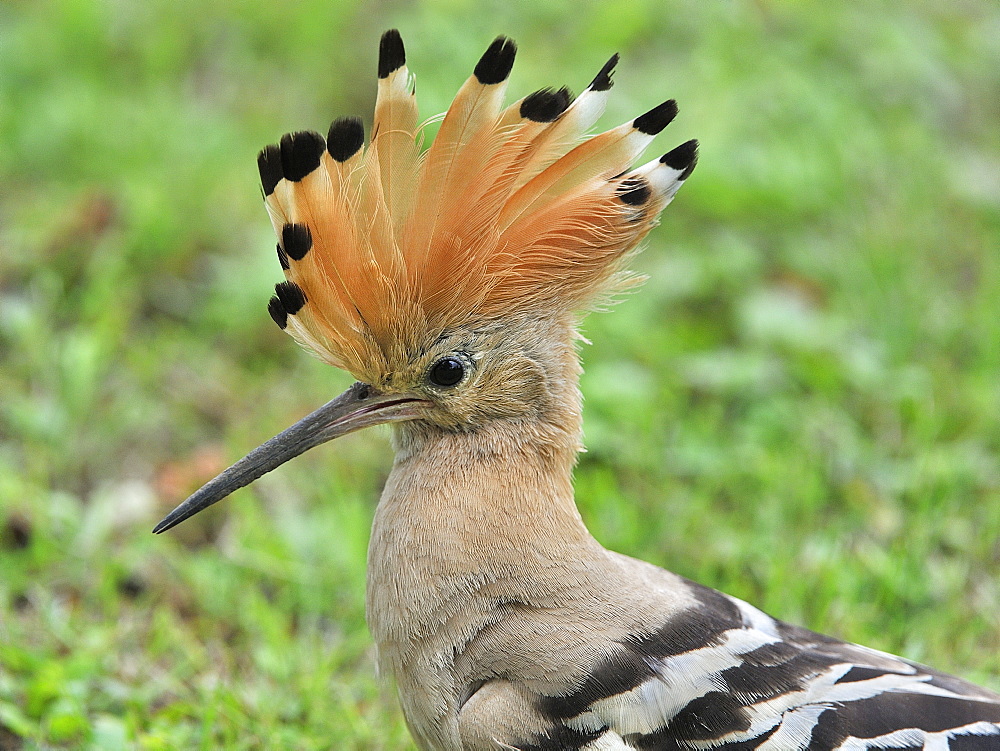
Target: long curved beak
358, 407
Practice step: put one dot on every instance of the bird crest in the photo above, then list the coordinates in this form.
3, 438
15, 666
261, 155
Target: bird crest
509, 212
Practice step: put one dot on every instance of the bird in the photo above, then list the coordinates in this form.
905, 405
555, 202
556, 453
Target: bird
450, 282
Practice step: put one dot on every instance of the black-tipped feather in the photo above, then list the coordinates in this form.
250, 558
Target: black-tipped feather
495, 64
269, 166
634, 191
300, 153
278, 312
282, 258
391, 54
291, 296
346, 137
684, 157
296, 239
602, 81
545, 105
656, 119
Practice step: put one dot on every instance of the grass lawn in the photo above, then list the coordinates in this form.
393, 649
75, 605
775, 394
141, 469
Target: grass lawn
801, 407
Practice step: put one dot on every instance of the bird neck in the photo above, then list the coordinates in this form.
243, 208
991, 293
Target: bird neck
511, 476
501, 475
488, 510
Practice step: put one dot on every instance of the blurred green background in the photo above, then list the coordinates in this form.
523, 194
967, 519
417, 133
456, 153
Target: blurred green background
801, 407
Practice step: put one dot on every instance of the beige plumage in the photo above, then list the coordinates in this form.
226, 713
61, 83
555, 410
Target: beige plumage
450, 284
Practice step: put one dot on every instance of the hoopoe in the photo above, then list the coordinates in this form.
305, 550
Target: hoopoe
450, 283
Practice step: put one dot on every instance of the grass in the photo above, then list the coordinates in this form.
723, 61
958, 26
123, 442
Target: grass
801, 407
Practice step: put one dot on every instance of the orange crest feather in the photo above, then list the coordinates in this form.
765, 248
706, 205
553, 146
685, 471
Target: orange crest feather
506, 213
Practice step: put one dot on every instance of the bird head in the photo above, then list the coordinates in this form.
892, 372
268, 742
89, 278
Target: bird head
437, 278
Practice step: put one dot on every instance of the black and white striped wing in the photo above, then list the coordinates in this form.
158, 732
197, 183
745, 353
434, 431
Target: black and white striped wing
727, 676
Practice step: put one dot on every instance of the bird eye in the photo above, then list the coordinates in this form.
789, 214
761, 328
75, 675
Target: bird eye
447, 371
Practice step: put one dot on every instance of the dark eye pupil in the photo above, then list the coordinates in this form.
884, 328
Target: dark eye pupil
447, 372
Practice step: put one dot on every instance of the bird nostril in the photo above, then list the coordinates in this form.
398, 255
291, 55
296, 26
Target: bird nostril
364, 391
